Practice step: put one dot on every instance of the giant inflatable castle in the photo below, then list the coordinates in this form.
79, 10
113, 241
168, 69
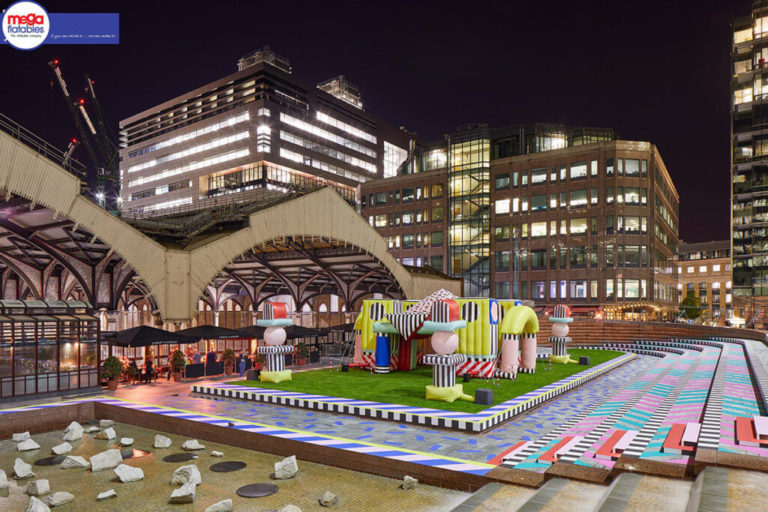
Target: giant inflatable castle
478, 336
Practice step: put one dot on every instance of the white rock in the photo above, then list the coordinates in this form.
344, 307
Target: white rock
17, 438
38, 487
35, 505
106, 434
106, 460
290, 508
222, 506
106, 495
58, 498
162, 441
192, 444
327, 499
27, 445
128, 473
3, 480
75, 461
61, 449
92, 429
73, 432
126, 441
188, 474
286, 468
215, 453
409, 483
106, 423
22, 470
184, 494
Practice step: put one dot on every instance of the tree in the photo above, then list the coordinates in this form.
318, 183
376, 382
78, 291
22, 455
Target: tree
691, 306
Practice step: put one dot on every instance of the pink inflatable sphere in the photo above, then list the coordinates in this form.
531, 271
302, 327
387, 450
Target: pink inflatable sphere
560, 330
445, 342
274, 336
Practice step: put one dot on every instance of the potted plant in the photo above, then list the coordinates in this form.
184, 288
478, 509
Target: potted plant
301, 353
177, 365
112, 370
258, 361
229, 361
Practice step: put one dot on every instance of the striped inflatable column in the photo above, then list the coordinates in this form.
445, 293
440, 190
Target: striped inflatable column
444, 368
275, 356
558, 345
528, 353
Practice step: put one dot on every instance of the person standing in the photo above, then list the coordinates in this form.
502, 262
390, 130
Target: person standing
241, 364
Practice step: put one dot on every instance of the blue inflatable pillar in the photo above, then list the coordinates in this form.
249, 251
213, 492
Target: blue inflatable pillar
382, 354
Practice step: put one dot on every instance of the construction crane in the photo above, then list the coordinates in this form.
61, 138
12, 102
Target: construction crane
95, 135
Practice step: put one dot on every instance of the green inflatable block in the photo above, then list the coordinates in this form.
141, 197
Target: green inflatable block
275, 377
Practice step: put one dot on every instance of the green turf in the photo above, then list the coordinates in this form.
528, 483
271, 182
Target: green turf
408, 388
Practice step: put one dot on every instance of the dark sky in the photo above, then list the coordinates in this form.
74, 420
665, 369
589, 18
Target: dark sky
652, 70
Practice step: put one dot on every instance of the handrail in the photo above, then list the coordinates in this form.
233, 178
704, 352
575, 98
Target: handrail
46, 149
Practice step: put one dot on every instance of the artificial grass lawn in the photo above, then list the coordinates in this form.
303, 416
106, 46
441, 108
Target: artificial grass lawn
408, 388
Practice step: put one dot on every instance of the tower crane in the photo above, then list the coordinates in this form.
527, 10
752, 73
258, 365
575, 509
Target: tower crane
95, 135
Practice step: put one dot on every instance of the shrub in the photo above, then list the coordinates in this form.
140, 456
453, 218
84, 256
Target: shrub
112, 368
177, 361
229, 357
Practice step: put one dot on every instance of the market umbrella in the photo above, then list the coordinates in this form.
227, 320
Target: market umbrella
253, 331
212, 332
144, 336
291, 332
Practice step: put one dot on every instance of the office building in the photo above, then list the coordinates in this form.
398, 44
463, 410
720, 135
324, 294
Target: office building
546, 213
257, 128
705, 269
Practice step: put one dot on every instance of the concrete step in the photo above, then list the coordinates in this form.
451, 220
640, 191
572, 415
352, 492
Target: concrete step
632, 491
719, 489
496, 497
561, 494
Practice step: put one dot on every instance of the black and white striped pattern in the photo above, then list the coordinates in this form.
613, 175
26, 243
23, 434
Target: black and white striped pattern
558, 345
376, 311
641, 440
758, 371
561, 312
470, 311
494, 339
406, 323
709, 435
444, 368
275, 356
440, 312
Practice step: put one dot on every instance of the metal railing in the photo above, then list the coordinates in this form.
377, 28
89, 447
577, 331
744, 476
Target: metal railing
46, 149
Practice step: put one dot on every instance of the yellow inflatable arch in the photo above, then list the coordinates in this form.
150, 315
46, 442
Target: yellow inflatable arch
519, 320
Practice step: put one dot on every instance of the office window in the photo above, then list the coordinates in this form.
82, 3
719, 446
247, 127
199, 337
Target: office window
407, 241
631, 289
381, 198
593, 225
436, 262
578, 170
538, 176
632, 256
501, 233
264, 112
437, 189
690, 270
502, 290
593, 256
502, 181
593, 168
563, 289
553, 175
631, 224
593, 288
437, 238
578, 198
538, 259
437, 214
631, 167
579, 226
609, 259
502, 260
538, 289
593, 197
715, 268
408, 195
609, 195
609, 293
515, 204
407, 218
553, 289
524, 178
552, 201
563, 172
539, 202
631, 195
578, 257
609, 167
553, 257
501, 206
579, 289
609, 224
552, 228
381, 221
538, 229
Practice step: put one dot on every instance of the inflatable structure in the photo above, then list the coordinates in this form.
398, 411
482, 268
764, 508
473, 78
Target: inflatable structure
559, 339
275, 319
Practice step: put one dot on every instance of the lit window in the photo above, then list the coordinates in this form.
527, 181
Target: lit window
225, 157
516, 204
538, 229
325, 134
357, 132
703, 269
579, 226
578, 170
728, 285
264, 112
502, 206
715, 286
215, 143
393, 158
715, 268
690, 270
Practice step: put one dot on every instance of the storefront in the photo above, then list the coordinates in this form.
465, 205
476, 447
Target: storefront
47, 346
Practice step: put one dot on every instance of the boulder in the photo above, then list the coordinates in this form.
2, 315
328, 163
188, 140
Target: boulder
35, 505
126, 441
106, 495
290, 508
222, 506
128, 473
106, 434
327, 499
106, 460
286, 468
188, 474
74, 461
409, 483
92, 429
17, 438
27, 445
106, 423
215, 453
73, 432
184, 494
162, 441
3, 480
58, 498
192, 444
22, 470
38, 487
61, 449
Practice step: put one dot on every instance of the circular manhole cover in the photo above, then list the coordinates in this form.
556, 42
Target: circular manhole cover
227, 466
257, 490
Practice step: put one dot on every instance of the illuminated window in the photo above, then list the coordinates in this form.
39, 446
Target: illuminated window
715, 268
352, 130
502, 206
742, 95
225, 157
538, 229
579, 226
338, 155
393, 158
264, 112
325, 134
578, 198
690, 270
703, 269
215, 143
578, 170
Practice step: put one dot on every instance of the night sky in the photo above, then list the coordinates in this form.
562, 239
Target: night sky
653, 70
